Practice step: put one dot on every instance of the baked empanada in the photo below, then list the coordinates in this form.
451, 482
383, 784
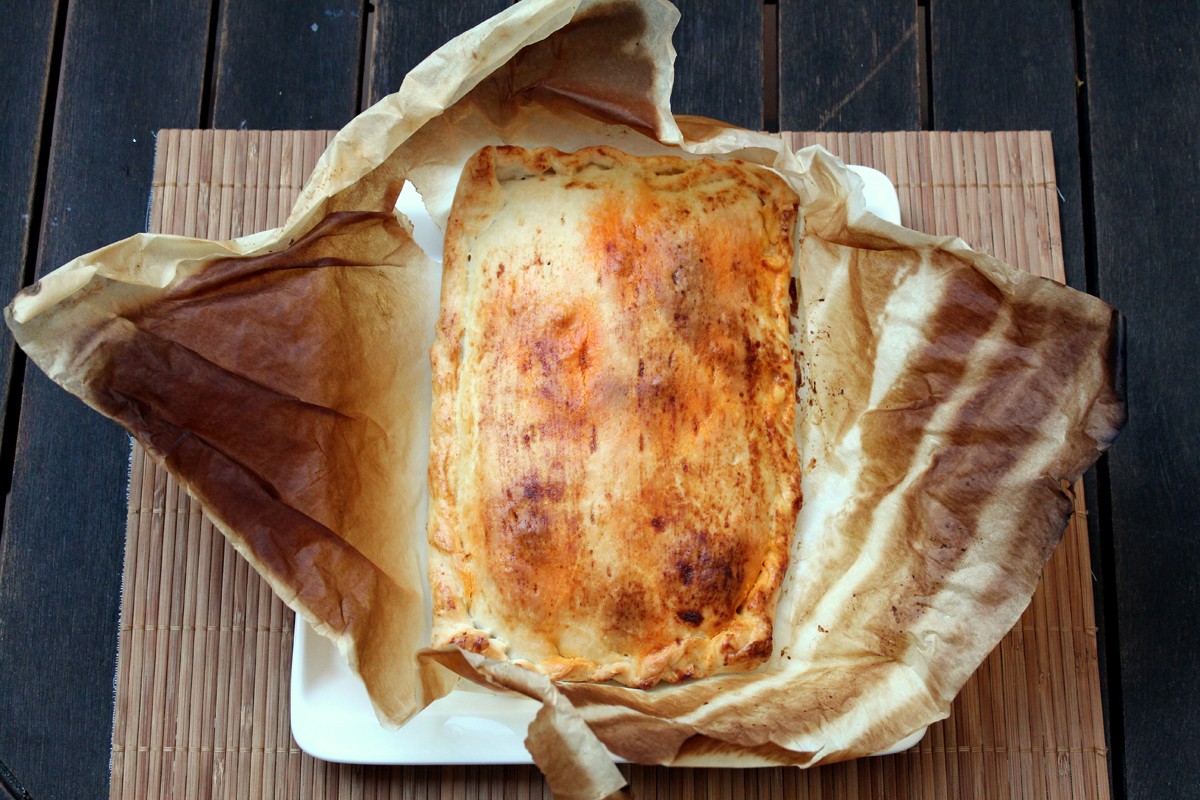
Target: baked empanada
614, 479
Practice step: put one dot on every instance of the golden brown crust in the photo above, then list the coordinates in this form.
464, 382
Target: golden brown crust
613, 476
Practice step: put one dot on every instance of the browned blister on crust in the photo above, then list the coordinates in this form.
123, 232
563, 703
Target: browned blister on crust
613, 476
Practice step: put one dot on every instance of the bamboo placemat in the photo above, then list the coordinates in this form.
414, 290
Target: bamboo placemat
205, 647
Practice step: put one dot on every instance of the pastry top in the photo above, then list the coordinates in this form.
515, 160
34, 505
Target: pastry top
614, 479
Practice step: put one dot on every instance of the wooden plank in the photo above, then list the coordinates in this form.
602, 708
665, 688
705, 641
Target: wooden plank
25, 72
713, 35
287, 65
1142, 73
1011, 66
848, 66
27, 62
125, 73
403, 34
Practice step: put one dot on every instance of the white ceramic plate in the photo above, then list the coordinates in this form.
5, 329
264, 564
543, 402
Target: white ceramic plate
332, 717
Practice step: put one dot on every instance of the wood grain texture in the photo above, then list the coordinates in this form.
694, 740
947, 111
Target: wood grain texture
1143, 70
25, 70
403, 32
849, 66
712, 36
1011, 66
61, 561
296, 62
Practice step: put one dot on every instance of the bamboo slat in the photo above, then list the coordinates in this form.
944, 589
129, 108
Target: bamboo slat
204, 648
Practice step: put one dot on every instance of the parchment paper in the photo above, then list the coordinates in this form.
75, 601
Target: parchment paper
945, 402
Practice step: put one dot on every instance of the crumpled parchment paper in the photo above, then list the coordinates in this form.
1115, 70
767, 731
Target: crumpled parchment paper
945, 402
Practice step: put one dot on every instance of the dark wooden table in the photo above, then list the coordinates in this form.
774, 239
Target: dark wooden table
87, 84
